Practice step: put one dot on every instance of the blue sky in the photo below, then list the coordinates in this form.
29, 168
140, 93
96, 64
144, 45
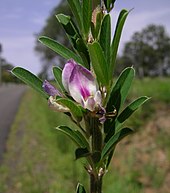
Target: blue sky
21, 19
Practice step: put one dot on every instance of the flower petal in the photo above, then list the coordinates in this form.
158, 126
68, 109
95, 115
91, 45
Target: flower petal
98, 97
102, 112
81, 84
56, 106
66, 73
90, 104
50, 89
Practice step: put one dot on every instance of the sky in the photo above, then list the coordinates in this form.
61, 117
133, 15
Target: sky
20, 20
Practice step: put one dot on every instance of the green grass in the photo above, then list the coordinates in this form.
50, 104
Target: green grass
156, 88
38, 157
41, 160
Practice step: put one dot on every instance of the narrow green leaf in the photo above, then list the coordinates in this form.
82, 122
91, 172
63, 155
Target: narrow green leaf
30, 79
116, 39
110, 145
75, 38
130, 109
99, 18
105, 37
109, 158
87, 14
69, 27
80, 189
82, 139
63, 19
109, 4
83, 52
121, 89
60, 49
93, 32
58, 77
77, 11
74, 135
74, 108
81, 152
99, 63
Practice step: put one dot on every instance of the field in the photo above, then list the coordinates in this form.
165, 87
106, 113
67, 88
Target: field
41, 160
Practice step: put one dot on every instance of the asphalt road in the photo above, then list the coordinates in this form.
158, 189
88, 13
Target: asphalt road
10, 96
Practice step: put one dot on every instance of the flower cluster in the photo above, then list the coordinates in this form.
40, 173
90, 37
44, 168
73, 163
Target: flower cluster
81, 85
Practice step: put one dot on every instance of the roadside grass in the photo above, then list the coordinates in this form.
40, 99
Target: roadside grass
41, 160
38, 159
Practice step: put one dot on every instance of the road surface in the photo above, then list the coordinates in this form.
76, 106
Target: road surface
10, 96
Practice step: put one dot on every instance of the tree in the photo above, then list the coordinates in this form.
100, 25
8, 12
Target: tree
53, 30
5, 68
148, 51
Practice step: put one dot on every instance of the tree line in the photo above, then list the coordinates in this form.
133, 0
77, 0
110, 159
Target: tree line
5, 67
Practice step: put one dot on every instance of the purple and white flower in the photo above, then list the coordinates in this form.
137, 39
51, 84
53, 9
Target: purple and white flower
81, 85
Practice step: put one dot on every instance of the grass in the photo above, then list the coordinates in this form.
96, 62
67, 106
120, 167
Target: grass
38, 158
41, 160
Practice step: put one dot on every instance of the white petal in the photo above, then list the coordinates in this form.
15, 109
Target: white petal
98, 98
56, 106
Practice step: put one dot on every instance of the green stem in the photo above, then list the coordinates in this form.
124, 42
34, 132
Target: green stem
96, 183
97, 142
96, 135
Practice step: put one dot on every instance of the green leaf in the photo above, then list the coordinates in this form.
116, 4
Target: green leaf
60, 49
58, 77
81, 152
74, 135
87, 14
83, 52
105, 37
63, 19
69, 27
84, 143
80, 189
75, 38
110, 145
109, 158
77, 11
99, 18
109, 4
74, 108
99, 63
121, 89
130, 109
116, 39
30, 79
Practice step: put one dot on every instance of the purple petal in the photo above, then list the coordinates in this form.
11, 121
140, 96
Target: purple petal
81, 84
66, 73
102, 112
90, 104
49, 89
102, 119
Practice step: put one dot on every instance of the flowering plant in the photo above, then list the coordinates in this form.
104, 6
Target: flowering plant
86, 90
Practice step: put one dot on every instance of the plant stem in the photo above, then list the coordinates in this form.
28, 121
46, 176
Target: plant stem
95, 183
95, 172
